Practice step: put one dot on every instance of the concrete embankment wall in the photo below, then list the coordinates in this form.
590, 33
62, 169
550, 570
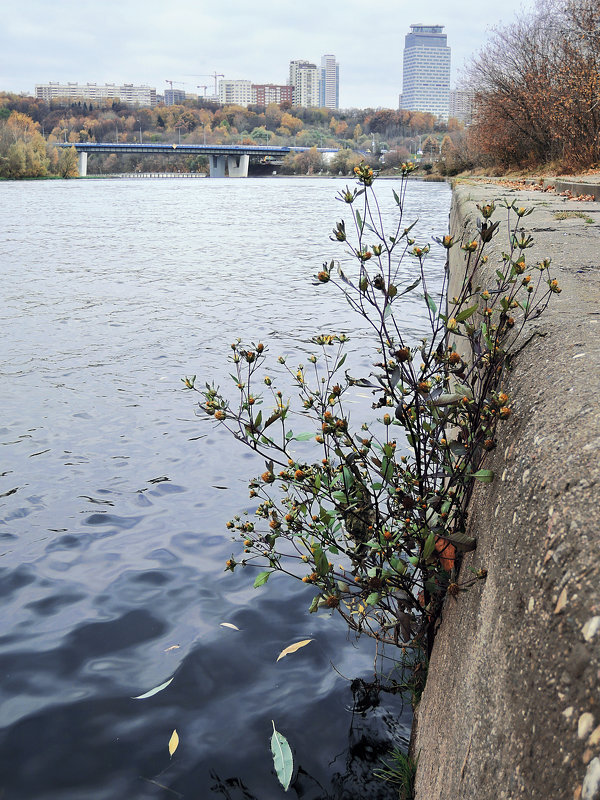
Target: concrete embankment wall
512, 703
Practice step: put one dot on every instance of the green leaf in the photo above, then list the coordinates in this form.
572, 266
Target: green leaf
468, 312
483, 475
398, 565
387, 469
411, 287
429, 546
261, 579
303, 437
373, 598
462, 542
359, 221
430, 302
348, 477
321, 561
282, 758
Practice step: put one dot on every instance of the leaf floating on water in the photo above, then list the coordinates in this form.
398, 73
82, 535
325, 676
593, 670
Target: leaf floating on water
282, 758
156, 689
293, 647
229, 625
173, 647
173, 742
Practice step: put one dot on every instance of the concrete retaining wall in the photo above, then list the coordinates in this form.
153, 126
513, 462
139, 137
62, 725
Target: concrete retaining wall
512, 704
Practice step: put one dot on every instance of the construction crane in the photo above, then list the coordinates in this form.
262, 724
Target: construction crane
213, 75
202, 86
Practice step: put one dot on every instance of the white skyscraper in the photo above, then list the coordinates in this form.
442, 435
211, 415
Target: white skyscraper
426, 75
329, 90
304, 77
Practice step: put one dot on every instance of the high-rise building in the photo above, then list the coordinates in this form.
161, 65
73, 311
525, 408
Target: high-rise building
329, 89
426, 74
174, 97
304, 77
235, 92
461, 105
126, 93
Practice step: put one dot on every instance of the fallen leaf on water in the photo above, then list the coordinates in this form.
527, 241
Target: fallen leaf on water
173, 647
156, 690
173, 742
293, 647
229, 625
282, 758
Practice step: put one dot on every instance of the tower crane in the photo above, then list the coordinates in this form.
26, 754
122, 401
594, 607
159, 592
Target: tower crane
213, 75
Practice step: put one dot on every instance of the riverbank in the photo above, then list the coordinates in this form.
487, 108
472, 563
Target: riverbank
511, 707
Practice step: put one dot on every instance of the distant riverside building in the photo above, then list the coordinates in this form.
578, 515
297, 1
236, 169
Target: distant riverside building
265, 93
304, 78
329, 88
461, 105
126, 93
426, 73
174, 97
235, 92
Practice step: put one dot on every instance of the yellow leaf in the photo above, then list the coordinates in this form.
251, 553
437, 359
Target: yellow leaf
229, 625
173, 742
173, 647
293, 647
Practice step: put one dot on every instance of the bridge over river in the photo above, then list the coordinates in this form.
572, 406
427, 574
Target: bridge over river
235, 157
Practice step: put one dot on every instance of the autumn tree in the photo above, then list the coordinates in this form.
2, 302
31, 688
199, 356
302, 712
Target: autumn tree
537, 84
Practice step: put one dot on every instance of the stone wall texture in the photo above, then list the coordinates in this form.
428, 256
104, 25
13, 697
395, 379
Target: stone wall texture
512, 704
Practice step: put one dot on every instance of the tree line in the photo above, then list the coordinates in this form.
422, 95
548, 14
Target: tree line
360, 134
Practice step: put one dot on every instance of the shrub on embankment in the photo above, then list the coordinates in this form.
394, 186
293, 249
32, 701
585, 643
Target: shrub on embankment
536, 87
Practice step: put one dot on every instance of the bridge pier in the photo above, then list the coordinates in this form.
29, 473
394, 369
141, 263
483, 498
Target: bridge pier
238, 166
217, 166
82, 164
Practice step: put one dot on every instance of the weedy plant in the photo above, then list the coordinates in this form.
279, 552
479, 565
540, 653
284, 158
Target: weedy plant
374, 518
399, 770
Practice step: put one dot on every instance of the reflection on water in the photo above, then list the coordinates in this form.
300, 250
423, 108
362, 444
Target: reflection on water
113, 495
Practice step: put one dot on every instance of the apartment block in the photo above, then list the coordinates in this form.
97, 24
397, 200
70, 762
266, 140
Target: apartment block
235, 92
265, 93
304, 78
73, 92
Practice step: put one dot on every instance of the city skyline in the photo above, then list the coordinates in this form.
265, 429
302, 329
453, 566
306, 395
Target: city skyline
147, 44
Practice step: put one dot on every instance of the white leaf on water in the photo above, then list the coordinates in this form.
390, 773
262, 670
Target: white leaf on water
282, 758
173, 647
293, 647
173, 742
154, 691
229, 625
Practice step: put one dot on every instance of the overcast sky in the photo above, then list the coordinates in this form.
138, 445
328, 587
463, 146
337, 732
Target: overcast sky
148, 41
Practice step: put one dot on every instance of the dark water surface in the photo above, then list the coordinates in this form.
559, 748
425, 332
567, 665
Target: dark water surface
114, 494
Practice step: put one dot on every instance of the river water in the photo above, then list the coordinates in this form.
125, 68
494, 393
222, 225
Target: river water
114, 494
